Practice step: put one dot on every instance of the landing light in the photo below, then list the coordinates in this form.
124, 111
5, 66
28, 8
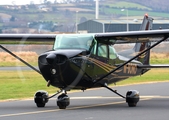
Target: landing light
53, 71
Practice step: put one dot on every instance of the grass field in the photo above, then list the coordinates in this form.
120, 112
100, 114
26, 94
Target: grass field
154, 75
17, 84
159, 58
107, 9
8, 60
23, 84
32, 58
123, 4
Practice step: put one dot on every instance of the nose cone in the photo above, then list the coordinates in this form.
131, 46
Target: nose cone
51, 58
58, 67
52, 66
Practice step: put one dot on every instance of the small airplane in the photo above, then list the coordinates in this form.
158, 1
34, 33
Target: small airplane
84, 61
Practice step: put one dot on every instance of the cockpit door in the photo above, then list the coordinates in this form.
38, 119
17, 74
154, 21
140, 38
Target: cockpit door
102, 52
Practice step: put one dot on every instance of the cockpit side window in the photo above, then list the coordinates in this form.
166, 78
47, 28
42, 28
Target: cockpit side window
102, 50
112, 53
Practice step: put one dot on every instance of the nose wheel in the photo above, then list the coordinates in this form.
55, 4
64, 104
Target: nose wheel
41, 98
63, 101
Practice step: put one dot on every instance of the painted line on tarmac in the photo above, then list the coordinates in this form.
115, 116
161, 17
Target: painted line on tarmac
102, 97
56, 110
155, 96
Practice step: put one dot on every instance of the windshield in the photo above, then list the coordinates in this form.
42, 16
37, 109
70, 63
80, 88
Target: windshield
73, 41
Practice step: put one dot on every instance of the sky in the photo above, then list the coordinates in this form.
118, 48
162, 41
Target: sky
20, 2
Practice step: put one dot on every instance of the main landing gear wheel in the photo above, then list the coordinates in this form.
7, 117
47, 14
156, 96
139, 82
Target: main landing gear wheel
63, 101
132, 97
41, 98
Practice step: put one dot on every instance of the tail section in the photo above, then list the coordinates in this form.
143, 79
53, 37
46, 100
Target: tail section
146, 25
144, 59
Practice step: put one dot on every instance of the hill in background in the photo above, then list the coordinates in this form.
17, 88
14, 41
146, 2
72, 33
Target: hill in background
57, 17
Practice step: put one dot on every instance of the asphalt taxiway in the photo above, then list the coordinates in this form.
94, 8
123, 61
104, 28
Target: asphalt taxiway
17, 68
97, 104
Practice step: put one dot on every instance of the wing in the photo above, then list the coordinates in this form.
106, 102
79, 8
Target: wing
132, 37
116, 37
27, 38
41, 37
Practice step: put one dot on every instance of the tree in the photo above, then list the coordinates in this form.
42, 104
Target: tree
54, 8
83, 19
12, 19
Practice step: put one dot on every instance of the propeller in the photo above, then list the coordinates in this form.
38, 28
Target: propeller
51, 58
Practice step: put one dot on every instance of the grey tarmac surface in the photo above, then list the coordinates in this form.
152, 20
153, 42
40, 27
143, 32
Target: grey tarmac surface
19, 68
97, 104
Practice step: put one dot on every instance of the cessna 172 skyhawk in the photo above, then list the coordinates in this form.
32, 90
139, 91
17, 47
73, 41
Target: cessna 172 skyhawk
84, 61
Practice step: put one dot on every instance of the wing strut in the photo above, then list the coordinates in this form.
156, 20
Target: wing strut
20, 59
114, 70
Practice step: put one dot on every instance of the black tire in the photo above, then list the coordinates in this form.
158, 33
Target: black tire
41, 98
132, 104
40, 104
63, 101
61, 105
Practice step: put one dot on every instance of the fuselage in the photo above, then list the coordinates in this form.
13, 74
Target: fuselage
77, 61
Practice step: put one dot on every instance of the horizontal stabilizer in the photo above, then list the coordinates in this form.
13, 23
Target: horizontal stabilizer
154, 66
